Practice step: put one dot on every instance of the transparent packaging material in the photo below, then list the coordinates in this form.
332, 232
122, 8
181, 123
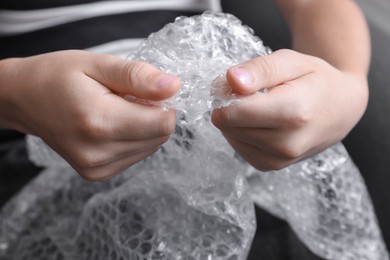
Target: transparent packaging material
194, 199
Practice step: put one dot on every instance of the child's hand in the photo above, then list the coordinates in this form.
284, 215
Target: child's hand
71, 99
311, 105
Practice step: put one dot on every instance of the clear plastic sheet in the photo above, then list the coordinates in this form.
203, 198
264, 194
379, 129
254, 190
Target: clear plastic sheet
191, 200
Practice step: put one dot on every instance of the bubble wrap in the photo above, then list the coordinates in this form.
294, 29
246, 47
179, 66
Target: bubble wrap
194, 198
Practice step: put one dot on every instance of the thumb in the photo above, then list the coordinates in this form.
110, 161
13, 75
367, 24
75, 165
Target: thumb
268, 71
135, 78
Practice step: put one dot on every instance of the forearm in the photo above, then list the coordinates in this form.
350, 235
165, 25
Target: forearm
334, 30
6, 107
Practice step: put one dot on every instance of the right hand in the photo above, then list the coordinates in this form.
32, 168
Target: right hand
72, 100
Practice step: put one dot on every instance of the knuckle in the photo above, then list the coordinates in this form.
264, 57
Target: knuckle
133, 71
266, 67
86, 159
286, 52
162, 141
93, 127
300, 116
166, 125
222, 117
94, 175
272, 165
318, 62
88, 175
267, 166
289, 153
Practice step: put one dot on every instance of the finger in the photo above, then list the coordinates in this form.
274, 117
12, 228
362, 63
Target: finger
135, 78
279, 108
98, 155
281, 144
256, 156
123, 120
262, 139
112, 169
132, 148
106, 115
268, 71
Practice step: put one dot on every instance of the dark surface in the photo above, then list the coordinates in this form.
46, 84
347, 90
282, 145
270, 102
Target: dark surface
15, 168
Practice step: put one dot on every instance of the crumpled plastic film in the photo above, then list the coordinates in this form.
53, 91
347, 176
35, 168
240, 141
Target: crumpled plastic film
200, 49
191, 200
325, 201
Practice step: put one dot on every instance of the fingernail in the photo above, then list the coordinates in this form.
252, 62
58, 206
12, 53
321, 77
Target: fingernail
166, 81
243, 75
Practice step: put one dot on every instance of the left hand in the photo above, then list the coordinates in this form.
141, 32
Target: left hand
311, 106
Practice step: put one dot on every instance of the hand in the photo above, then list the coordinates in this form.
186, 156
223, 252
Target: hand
72, 100
311, 105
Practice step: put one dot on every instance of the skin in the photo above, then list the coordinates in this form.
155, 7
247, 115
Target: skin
317, 93
72, 99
